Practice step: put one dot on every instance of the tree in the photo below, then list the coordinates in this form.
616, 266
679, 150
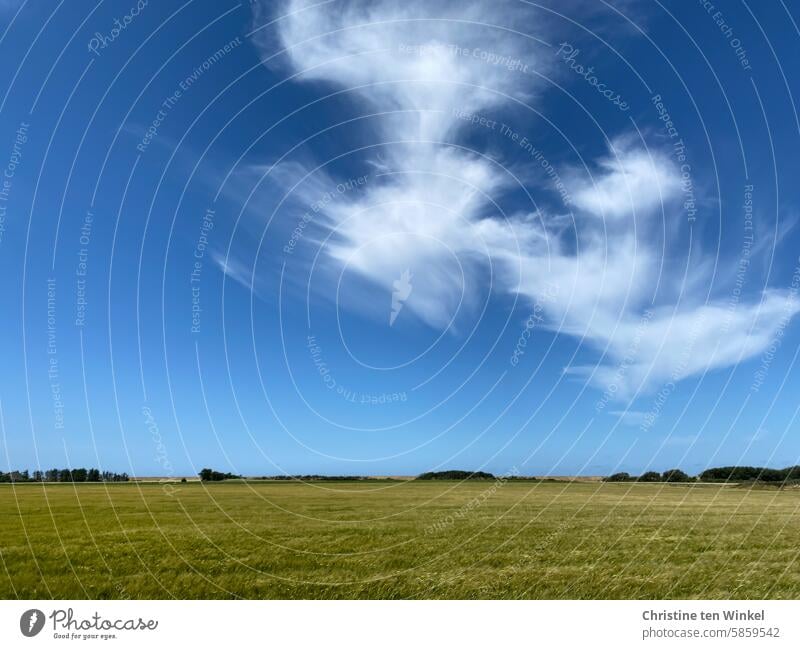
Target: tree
216, 476
93, 475
618, 477
650, 476
675, 475
791, 473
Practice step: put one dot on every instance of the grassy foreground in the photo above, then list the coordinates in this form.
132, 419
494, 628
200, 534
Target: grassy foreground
398, 540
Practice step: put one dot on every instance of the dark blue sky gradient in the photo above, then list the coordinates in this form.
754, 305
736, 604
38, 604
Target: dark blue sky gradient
133, 388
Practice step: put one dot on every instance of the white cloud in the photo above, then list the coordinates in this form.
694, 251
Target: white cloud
233, 268
432, 216
631, 181
677, 342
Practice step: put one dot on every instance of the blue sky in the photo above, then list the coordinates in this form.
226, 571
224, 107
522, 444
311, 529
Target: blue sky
384, 238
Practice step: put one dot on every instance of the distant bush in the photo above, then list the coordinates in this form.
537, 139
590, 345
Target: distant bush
619, 477
650, 476
209, 475
455, 475
675, 475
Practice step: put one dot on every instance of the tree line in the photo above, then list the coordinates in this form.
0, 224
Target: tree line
673, 475
64, 475
209, 475
746, 473
717, 474
455, 475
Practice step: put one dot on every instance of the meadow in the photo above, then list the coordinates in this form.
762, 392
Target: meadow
416, 539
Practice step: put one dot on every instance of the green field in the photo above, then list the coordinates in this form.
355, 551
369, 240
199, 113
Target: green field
399, 540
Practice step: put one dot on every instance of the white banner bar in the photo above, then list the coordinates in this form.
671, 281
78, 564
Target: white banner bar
400, 624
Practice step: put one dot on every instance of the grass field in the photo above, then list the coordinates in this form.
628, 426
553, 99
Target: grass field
399, 540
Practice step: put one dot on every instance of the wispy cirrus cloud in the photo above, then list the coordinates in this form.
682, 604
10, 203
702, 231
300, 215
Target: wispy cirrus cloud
431, 206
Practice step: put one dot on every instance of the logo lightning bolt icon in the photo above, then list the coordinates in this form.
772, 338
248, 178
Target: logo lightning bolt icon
31, 622
402, 290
